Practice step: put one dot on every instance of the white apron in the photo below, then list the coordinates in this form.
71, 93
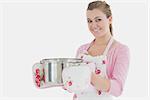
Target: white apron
100, 61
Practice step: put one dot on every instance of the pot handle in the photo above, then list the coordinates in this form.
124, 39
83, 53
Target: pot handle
38, 75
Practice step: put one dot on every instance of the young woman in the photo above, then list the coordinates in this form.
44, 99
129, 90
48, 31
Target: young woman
104, 51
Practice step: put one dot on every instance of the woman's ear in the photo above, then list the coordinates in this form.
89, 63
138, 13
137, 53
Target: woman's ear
110, 19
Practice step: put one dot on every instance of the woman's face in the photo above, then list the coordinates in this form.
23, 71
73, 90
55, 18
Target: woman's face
98, 22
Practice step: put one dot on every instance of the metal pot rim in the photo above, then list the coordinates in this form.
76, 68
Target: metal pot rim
73, 60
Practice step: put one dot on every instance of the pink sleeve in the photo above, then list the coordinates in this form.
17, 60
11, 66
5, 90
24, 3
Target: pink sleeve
81, 49
120, 71
78, 51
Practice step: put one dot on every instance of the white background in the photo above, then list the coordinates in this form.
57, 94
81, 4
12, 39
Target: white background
36, 29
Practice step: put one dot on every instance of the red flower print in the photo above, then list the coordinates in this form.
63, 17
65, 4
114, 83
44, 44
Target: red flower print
37, 71
38, 76
36, 79
104, 62
43, 70
69, 83
97, 71
99, 92
38, 84
75, 96
44, 78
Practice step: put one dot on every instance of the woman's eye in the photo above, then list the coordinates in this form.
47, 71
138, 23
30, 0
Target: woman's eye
97, 20
89, 21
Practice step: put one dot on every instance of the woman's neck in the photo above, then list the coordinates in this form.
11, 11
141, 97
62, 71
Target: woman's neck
102, 40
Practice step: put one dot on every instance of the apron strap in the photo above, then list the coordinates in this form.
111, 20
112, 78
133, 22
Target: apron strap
108, 46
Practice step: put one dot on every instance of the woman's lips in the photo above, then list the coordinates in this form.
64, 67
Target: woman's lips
96, 31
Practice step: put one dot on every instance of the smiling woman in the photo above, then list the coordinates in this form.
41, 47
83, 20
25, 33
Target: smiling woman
33, 30
98, 22
110, 58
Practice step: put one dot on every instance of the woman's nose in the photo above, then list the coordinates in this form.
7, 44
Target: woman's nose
94, 25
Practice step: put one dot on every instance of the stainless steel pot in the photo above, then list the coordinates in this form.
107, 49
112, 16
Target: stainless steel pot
53, 69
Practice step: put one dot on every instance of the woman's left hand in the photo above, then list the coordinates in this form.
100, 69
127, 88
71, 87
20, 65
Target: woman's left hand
100, 83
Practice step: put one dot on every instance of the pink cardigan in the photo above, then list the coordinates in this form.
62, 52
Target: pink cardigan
117, 66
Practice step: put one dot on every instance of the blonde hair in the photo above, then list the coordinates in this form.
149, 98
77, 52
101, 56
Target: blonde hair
104, 7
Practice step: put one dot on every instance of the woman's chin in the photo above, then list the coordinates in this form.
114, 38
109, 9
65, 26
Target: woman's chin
98, 34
